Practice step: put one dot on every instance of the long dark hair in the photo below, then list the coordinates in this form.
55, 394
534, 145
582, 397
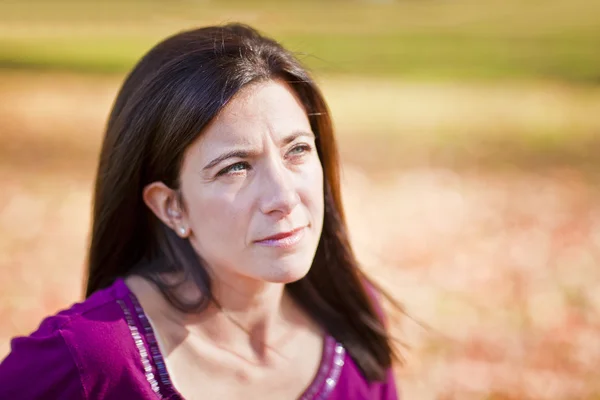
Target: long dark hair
171, 95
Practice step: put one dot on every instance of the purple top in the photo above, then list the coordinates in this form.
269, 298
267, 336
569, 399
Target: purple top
104, 348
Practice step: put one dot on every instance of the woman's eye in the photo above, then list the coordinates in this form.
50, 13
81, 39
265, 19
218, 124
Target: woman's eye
300, 149
234, 168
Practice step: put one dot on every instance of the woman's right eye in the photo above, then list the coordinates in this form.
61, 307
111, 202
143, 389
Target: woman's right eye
234, 169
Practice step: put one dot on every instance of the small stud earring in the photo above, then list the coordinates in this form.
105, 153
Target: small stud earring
182, 230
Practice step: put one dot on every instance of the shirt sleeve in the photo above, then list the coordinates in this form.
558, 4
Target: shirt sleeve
40, 366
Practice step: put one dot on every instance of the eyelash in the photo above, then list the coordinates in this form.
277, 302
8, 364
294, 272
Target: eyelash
304, 147
229, 169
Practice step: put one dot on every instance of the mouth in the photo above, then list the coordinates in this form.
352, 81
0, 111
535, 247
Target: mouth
283, 239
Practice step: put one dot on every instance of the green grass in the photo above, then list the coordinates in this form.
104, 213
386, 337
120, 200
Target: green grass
453, 56
549, 40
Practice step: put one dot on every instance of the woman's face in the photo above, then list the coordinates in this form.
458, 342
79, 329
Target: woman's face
253, 188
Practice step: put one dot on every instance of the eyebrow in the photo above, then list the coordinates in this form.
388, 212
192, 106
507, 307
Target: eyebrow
246, 154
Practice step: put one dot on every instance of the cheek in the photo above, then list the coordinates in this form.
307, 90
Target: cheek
216, 218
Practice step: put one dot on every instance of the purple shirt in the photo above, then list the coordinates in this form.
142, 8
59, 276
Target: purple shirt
104, 348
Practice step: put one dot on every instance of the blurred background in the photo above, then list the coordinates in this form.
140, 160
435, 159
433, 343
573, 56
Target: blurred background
470, 135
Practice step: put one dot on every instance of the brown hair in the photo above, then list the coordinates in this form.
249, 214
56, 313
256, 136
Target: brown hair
171, 95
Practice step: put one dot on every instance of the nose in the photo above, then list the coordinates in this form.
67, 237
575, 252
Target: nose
278, 192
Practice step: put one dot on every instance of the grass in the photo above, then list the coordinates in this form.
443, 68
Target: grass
463, 39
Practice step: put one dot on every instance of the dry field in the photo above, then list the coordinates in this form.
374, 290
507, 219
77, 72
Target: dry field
499, 266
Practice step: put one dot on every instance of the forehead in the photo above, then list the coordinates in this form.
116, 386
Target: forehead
262, 108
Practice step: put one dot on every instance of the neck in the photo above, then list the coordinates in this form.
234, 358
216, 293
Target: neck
247, 317
257, 314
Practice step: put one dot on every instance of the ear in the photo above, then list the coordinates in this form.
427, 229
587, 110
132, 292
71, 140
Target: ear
164, 203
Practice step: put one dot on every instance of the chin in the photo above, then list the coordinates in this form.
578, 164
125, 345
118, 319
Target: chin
276, 266
286, 272
286, 275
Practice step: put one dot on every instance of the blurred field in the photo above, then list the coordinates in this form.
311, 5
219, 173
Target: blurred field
470, 135
501, 263
433, 39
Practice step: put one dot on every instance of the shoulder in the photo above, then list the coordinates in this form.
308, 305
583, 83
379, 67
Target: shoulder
353, 385
96, 330
43, 356
71, 351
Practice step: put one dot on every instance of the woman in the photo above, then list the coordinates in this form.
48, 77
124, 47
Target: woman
219, 265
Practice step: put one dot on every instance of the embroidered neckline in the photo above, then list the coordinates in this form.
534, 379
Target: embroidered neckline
154, 365
329, 371
139, 344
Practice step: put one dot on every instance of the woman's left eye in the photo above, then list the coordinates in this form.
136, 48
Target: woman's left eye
300, 149
233, 169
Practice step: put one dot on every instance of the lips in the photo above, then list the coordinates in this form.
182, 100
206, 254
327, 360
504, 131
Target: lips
282, 235
284, 240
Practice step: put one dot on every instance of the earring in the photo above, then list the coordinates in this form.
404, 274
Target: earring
182, 231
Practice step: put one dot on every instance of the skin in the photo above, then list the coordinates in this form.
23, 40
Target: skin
253, 173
